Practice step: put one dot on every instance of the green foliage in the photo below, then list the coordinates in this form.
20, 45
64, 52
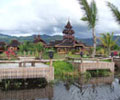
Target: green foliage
115, 47
99, 73
106, 60
115, 11
36, 54
31, 47
87, 75
90, 12
90, 17
61, 68
107, 41
38, 46
26, 46
46, 53
101, 51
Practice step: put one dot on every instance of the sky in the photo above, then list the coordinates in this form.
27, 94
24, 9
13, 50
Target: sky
28, 17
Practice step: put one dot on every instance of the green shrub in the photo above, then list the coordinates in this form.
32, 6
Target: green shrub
62, 66
99, 73
61, 69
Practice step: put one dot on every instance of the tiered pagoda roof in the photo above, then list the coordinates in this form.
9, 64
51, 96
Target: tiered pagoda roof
2, 44
68, 38
53, 43
38, 39
68, 31
14, 43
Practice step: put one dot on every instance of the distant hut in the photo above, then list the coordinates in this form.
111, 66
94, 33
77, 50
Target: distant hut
2, 47
68, 43
37, 39
14, 45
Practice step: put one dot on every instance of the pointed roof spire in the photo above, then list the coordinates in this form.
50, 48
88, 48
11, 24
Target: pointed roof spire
38, 39
68, 29
69, 26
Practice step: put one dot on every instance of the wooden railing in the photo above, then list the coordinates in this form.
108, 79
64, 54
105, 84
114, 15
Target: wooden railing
28, 72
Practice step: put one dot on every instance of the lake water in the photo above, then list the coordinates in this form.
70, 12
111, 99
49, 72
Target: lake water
61, 91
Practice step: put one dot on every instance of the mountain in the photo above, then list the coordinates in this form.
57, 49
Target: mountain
47, 39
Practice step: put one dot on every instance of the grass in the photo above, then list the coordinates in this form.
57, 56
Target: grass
61, 68
106, 60
56, 56
62, 56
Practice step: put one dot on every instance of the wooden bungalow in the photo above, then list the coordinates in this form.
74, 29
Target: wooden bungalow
68, 43
14, 45
37, 39
2, 47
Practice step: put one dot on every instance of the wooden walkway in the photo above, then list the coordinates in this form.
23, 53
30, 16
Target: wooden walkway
83, 67
8, 71
91, 64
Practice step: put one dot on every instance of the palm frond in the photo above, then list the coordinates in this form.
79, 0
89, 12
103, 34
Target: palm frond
90, 12
84, 18
107, 40
115, 11
94, 13
85, 7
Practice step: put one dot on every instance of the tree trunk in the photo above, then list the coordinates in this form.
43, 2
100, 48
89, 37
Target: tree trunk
40, 55
109, 51
94, 42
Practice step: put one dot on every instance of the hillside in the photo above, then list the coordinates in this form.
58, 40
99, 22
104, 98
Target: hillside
47, 38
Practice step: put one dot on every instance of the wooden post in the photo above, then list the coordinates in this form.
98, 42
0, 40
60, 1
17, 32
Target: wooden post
24, 53
51, 62
28, 53
33, 64
97, 60
81, 60
112, 59
24, 64
20, 64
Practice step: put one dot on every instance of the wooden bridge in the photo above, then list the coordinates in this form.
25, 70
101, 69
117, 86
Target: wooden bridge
117, 63
13, 70
96, 65
91, 64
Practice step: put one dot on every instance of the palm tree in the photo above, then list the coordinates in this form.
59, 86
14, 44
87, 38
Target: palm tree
107, 41
115, 11
91, 18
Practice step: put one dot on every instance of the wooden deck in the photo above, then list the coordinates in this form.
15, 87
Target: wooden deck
10, 71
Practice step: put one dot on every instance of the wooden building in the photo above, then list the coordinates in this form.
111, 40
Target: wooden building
68, 43
37, 39
2, 47
14, 45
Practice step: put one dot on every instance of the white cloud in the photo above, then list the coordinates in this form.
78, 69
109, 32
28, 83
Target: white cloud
50, 16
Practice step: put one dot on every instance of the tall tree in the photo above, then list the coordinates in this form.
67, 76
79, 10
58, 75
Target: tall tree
115, 11
108, 42
90, 16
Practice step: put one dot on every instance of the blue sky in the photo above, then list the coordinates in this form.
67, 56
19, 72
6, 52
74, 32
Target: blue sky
27, 17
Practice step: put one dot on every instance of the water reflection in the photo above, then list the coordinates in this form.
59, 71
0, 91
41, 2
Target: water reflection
92, 90
103, 88
29, 94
